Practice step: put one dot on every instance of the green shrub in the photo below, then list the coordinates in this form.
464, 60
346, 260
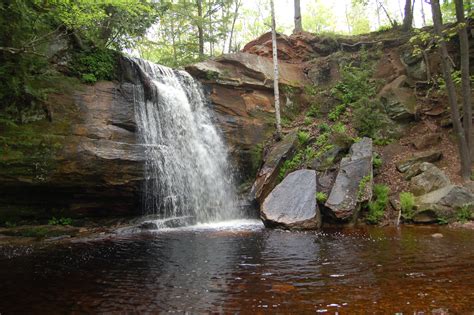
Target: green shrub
339, 128
313, 112
307, 121
464, 213
407, 204
377, 161
337, 112
379, 204
321, 197
303, 137
60, 221
95, 65
323, 128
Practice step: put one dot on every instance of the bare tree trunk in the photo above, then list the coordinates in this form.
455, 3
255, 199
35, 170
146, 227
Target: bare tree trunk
466, 85
423, 17
275, 72
408, 17
392, 22
200, 29
236, 13
452, 98
298, 22
348, 20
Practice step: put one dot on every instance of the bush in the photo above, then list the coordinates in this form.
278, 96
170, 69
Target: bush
60, 221
98, 64
323, 128
303, 137
407, 204
321, 197
368, 118
307, 121
464, 214
379, 204
339, 128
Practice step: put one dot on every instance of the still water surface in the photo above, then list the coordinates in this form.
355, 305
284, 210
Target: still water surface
242, 267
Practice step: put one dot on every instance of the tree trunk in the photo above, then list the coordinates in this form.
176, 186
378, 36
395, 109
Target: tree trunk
452, 98
200, 29
275, 73
408, 17
236, 13
298, 22
465, 79
423, 17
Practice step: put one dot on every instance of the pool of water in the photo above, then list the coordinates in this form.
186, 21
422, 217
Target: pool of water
242, 267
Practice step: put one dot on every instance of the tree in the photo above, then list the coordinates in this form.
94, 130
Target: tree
465, 78
452, 98
298, 22
275, 72
408, 16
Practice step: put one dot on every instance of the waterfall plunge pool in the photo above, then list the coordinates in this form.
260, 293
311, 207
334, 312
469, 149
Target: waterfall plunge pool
239, 266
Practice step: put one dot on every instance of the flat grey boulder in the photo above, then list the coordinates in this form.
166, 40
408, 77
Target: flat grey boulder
353, 183
430, 178
292, 204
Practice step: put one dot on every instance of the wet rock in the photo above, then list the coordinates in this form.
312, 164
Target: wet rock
353, 183
398, 100
426, 141
267, 177
292, 204
148, 226
428, 156
325, 181
430, 178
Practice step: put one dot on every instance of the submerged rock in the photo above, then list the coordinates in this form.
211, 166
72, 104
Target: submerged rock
292, 204
267, 177
353, 183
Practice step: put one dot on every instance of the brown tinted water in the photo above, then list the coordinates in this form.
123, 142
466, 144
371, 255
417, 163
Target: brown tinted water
247, 270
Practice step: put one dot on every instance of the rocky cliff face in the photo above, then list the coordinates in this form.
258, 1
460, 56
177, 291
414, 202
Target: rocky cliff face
83, 160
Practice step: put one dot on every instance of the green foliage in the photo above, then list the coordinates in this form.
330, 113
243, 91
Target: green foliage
96, 65
368, 117
256, 157
407, 204
307, 121
377, 160
324, 127
339, 128
60, 221
442, 220
303, 137
291, 164
464, 213
313, 111
337, 112
10, 224
321, 197
379, 204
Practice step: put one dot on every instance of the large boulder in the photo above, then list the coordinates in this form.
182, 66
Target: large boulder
292, 204
430, 178
427, 156
442, 203
353, 183
267, 177
398, 100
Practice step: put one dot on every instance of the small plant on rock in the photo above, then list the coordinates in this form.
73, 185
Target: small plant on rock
60, 221
321, 197
407, 204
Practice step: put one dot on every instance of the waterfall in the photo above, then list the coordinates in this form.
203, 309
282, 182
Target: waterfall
187, 169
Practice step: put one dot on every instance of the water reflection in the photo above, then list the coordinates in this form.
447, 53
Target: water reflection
249, 271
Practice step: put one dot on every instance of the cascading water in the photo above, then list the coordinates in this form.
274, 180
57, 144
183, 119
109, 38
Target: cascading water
187, 170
